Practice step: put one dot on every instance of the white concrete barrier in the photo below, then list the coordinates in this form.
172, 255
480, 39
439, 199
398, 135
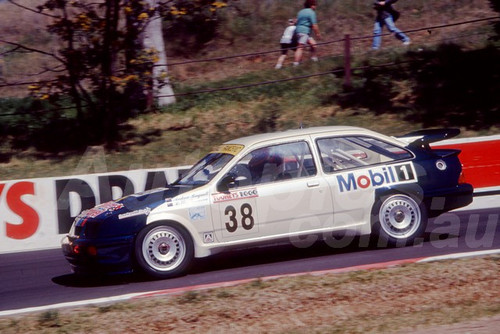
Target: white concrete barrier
36, 213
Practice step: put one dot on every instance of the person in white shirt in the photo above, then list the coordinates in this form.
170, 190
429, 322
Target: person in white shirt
287, 42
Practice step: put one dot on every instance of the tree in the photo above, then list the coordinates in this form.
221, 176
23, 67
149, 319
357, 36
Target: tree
495, 4
112, 59
153, 40
107, 70
192, 22
106, 62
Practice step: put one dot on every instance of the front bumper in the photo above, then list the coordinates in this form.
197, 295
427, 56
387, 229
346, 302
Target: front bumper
112, 255
444, 200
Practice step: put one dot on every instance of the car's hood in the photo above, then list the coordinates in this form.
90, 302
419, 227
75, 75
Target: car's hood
136, 204
124, 216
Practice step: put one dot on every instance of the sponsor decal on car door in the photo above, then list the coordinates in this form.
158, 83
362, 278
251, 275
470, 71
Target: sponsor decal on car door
354, 191
235, 216
357, 165
376, 177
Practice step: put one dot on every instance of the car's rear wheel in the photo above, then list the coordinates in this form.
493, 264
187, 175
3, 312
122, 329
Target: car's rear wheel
164, 250
399, 220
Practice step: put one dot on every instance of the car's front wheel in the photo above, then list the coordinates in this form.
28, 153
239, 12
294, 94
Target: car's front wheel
164, 250
398, 220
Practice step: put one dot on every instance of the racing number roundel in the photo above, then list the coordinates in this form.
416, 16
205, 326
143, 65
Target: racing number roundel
244, 219
237, 214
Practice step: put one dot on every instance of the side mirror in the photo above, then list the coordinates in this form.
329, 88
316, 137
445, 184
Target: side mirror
228, 182
225, 184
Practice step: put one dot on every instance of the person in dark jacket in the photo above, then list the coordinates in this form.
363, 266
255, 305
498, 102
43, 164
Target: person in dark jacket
386, 16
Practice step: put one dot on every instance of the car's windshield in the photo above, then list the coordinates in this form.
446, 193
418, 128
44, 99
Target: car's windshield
205, 170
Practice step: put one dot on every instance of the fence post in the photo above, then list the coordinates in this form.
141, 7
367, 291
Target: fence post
347, 61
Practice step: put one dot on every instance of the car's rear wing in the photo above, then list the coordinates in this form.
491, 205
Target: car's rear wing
423, 138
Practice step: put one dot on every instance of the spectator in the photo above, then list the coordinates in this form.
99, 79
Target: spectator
306, 22
288, 41
386, 15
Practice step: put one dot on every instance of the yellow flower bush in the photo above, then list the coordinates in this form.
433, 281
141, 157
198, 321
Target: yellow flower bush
143, 16
219, 4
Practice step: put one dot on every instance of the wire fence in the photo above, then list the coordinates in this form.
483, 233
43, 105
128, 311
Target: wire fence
320, 44
354, 50
341, 53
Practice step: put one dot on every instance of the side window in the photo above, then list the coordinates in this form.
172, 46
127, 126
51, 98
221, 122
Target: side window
340, 153
273, 164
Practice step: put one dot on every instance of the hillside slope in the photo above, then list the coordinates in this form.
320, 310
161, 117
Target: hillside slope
447, 77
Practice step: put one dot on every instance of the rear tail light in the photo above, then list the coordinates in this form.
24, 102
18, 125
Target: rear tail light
90, 250
461, 178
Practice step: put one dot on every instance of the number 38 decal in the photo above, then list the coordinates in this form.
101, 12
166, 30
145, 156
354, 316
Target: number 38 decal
247, 220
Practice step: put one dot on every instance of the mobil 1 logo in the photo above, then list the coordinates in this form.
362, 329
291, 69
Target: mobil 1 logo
376, 177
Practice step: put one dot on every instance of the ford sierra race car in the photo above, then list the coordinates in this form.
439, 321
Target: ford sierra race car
274, 187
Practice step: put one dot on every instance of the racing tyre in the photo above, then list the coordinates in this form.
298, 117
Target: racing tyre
164, 250
398, 220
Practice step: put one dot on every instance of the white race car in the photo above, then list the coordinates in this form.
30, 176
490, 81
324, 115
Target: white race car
277, 186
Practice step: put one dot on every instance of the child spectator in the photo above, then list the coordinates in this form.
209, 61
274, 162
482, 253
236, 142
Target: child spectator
288, 41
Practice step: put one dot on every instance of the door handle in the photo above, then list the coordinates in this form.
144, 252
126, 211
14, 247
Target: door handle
312, 184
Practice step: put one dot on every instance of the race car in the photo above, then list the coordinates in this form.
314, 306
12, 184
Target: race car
275, 187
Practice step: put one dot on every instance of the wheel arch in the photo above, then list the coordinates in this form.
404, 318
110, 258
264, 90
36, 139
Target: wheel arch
200, 250
414, 192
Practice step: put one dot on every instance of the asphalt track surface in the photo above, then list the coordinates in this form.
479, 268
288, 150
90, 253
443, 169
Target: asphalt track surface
35, 279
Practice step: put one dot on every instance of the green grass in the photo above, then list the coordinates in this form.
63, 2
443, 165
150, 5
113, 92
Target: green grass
433, 84
392, 100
